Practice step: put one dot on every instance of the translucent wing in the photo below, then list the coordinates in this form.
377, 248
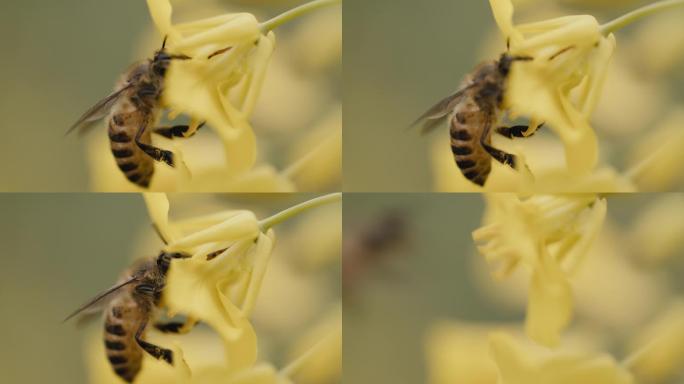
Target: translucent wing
99, 110
85, 308
435, 116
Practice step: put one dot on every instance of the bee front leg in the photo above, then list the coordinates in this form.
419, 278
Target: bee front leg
156, 351
176, 131
156, 153
176, 326
516, 131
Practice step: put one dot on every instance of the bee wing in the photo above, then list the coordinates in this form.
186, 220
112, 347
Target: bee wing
90, 307
434, 116
99, 110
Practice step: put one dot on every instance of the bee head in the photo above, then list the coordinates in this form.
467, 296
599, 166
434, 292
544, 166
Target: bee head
162, 59
506, 60
164, 260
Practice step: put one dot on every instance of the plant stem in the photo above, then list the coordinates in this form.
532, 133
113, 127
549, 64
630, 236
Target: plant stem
637, 14
281, 216
294, 13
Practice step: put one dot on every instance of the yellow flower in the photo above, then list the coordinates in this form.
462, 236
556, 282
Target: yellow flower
325, 338
657, 231
317, 159
656, 160
519, 363
220, 283
548, 235
459, 353
569, 54
229, 53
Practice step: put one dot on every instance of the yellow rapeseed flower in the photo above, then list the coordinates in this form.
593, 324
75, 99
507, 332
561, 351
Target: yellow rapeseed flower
548, 235
230, 53
569, 53
520, 363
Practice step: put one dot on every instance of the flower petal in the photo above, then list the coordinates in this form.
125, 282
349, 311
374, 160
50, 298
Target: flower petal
550, 303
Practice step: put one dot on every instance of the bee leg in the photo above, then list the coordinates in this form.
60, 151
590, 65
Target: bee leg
502, 157
516, 130
152, 151
156, 351
176, 326
176, 130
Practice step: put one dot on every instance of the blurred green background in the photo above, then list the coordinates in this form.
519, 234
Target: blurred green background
430, 277
402, 56
62, 249
61, 57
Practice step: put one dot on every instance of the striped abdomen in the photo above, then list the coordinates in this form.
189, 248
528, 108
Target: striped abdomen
121, 323
132, 161
473, 161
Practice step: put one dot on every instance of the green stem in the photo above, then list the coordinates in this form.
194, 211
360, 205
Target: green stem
294, 13
637, 14
287, 214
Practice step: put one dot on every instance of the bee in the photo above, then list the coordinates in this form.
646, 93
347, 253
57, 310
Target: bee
370, 245
130, 304
131, 111
472, 112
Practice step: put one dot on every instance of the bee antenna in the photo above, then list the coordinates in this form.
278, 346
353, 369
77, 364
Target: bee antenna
164, 42
508, 44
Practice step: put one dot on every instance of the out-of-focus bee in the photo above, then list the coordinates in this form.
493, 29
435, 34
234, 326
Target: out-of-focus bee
370, 244
473, 111
132, 110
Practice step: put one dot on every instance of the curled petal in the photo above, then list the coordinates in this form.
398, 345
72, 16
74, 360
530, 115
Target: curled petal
158, 209
503, 14
244, 225
161, 12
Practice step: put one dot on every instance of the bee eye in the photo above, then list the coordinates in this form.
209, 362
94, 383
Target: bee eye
145, 289
160, 70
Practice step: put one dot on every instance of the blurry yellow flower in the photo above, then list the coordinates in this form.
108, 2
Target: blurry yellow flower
630, 102
569, 53
610, 291
317, 159
548, 235
657, 45
657, 231
659, 347
324, 343
519, 363
459, 353
657, 158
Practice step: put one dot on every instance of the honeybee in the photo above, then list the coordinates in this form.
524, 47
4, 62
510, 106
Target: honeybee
372, 243
131, 111
472, 112
130, 304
